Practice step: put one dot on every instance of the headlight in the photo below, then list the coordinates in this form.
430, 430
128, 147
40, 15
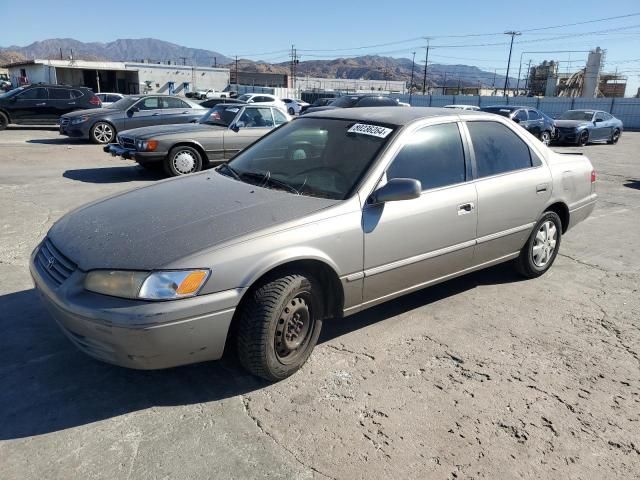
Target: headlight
146, 146
78, 120
146, 285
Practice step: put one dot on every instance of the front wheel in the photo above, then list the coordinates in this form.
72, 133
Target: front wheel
615, 136
292, 112
545, 137
279, 325
102, 133
183, 160
4, 121
540, 251
583, 139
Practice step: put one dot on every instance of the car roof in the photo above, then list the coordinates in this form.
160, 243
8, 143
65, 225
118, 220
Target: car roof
391, 115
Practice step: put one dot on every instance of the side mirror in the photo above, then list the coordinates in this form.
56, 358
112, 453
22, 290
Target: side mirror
397, 189
517, 120
133, 110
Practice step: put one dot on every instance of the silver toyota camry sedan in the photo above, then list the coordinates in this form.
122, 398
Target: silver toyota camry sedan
325, 216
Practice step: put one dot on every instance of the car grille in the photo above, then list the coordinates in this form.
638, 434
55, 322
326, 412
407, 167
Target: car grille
53, 263
126, 142
64, 121
566, 130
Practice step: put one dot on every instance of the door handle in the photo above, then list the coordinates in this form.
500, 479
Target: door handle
465, 208
71, 103
155, 114
41, 104
542, 187
185, 112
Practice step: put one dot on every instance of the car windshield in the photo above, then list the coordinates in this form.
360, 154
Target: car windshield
245, 98
123, 103
505, 112
318, 157
345, 102
576, 115
220, 115
11, 93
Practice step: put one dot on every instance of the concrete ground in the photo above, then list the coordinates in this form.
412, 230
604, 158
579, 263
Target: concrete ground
486, 376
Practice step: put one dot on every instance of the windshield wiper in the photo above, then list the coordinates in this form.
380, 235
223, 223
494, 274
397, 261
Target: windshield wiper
266, 179
229, 169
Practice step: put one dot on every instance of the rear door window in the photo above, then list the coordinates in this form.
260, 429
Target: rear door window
434, 155
497, 149
521, 115
534, 115
60, 94
149, 103
173, 102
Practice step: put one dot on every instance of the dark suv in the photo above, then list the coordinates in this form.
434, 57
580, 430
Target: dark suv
352, 101
43, 104
531, 119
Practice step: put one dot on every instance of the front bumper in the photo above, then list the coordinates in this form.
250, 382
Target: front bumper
135, 333
131, 154
74, 131
565, 136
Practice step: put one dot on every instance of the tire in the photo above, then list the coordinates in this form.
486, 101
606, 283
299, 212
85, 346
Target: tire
102, 133
291, 304
540, 251
182, 160
583, 139
4, 121
545, 137
615, 136
292, 112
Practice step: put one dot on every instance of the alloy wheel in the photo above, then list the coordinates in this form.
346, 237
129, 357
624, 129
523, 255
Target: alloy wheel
545, 137
103, 133
544, 244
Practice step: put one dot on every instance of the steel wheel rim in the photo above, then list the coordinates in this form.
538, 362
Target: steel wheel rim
103, 132
294, 329
546, 138
184, 162
544, 244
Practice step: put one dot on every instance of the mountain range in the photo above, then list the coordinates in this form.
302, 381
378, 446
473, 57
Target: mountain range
370, 67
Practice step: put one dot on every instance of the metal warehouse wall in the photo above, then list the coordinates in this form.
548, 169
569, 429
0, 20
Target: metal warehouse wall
626, 109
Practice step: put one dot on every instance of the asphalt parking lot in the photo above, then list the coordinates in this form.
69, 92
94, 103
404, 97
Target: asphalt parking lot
485, 376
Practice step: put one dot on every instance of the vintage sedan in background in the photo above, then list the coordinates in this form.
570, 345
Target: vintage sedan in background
328, 215
101, 125
531, 119
584, 126
182, 149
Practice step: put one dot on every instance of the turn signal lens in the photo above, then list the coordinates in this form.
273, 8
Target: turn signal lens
191, 283
593, 176
152, 145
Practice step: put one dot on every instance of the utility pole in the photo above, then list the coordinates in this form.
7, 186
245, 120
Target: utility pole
494, 78
184, 60
513, 33
458, 84
294, 62
526, 83
237, 81
426, 63
413, 62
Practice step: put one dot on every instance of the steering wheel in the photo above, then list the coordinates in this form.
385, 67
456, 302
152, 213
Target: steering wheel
340, 177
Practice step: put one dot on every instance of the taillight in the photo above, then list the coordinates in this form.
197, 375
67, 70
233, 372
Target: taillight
593, 176
95, 101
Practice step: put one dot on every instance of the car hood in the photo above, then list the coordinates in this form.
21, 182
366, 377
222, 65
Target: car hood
147, 228
145, 133
571, 123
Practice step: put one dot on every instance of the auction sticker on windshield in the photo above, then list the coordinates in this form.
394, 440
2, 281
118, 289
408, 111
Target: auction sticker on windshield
373, 130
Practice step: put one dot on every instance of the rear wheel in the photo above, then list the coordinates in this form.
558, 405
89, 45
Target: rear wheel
545, 137
102, 133
279, 325
4, 121
292, 112
583, 139
540, 251
183, 160
615, 136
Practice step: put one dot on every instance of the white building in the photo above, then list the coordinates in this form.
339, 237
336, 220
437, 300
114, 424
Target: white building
121, 77
348, 84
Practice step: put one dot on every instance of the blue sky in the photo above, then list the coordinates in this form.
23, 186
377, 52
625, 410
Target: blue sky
266, 30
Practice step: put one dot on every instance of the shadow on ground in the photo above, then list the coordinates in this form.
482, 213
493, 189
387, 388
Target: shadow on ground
113, 174
47, 385
59, 141
53, 128
633, 184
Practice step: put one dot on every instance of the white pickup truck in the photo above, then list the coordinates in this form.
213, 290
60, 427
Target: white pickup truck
209, 93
